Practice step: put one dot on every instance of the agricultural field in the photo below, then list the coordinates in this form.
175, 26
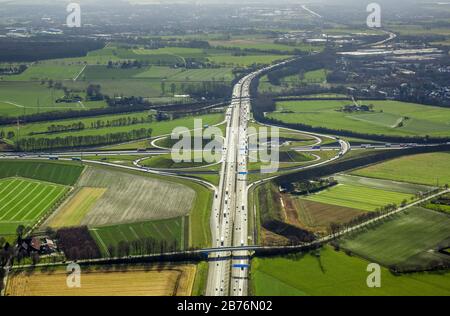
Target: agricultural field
247, 60
64, 173
389, 185
19, 98
198, 75
37, 72
171, 231
179, 52
334, 273
391, 118
343, 203
96, 72
131, 198
40, 130
311, 77
359, 197
162, 280
99, 72
75, 209
426, 169
263, 44
316, 216
146, 88
24, 201
133, 206
408, 240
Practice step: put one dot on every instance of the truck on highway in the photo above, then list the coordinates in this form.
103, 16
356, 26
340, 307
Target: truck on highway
53, 158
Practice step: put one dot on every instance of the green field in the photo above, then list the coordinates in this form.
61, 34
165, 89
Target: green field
384, 120
311, 77
335, 273
172, 230
214, 74
409, 239
167, 162
146, 88
248, 60
263, 44
38, 72
389, 185
429, 169
101, 72
38, 130
285, 159
23, 202
19, 98
60, 173
95, 72
359, 197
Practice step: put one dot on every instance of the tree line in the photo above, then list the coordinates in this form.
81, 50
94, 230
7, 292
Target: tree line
38, 144
142, 246
18, 50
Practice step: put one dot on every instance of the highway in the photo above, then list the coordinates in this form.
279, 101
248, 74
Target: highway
229, 219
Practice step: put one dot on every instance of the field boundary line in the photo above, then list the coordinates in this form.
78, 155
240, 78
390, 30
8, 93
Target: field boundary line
100, 239
14, 104
79, 74
182, 230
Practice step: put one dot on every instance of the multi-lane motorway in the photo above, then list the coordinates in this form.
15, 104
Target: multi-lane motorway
229, 269
228, 272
